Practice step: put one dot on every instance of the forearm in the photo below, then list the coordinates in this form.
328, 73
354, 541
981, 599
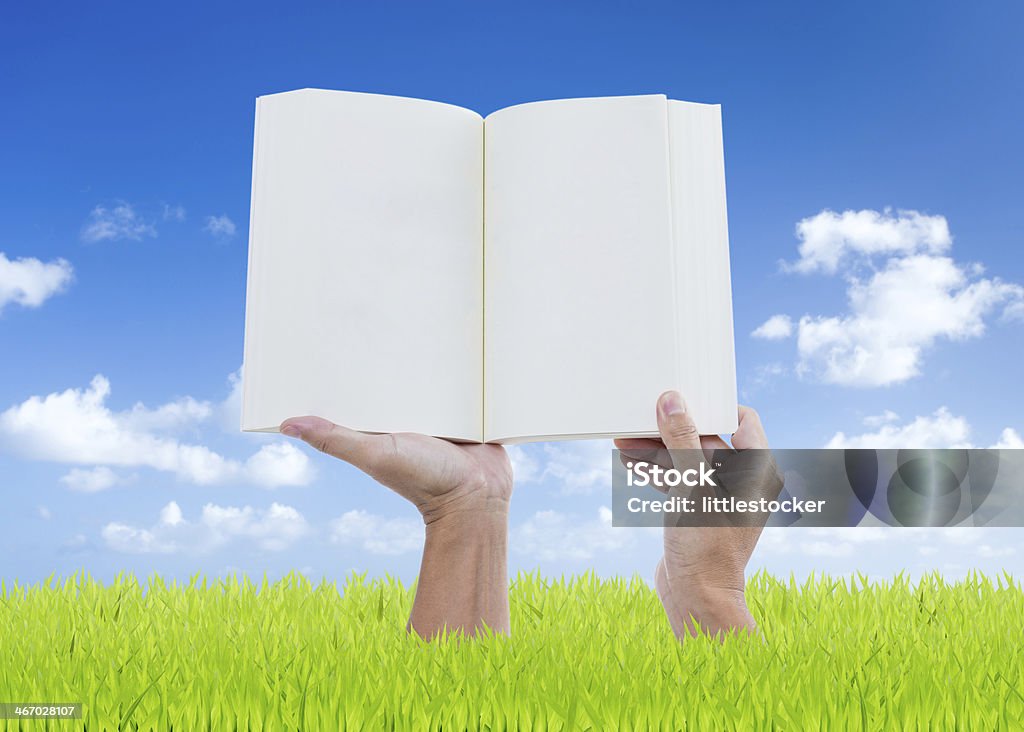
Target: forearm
463, 582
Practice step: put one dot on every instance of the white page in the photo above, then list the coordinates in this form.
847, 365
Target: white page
364, 300
707, 364
579, 286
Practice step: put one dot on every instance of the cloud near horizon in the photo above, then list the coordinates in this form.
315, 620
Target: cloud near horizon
377, 534
273, 529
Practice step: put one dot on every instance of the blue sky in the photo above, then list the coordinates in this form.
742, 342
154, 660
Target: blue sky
125, 150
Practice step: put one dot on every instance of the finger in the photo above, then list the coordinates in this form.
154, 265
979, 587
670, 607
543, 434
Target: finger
750, 433
677, 429
644, 450
643, 454
628, 460
679, 433
638, 443
661, 457
662, 460
712, 444
353, 447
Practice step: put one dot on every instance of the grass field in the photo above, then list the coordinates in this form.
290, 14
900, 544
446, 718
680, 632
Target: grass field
586, 654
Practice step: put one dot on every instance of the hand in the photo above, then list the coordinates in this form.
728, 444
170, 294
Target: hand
463, 493
440, 478
700, 578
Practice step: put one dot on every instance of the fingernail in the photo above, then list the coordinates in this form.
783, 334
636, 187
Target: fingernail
290, 430
672, 403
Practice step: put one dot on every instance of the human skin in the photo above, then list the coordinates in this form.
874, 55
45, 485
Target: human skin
700, 577
463, 494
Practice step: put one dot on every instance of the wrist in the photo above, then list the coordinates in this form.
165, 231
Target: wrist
705, 602
715, 612
717, 608
466, 506
463, 582
466, 520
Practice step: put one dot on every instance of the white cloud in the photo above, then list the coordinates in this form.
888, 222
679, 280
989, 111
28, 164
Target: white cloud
942, 429
896, 314
581, 466
763, 375
91, 480
959, 535
377, 534
862, 543
77, 427
272, 529
877, 420
1010, 439
775, 328
525, 466
44, 513
829, 239
171, 417
774, 540
851, 534
553, 536
220, 226
898, 307
118, 222
30, 282
132, 540
171, 515
174, 213
230, 410
826, 548
75, 544
277, 464
840, 541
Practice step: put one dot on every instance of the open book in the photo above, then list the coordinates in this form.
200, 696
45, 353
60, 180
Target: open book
542, 274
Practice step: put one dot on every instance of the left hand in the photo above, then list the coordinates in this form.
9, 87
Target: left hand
439, 477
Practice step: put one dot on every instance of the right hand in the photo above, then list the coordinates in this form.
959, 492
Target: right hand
701, 575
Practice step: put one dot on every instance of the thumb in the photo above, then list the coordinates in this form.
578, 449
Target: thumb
348, 445
677, 429
680, 436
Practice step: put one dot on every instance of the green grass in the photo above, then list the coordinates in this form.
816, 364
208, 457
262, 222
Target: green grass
586, 654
